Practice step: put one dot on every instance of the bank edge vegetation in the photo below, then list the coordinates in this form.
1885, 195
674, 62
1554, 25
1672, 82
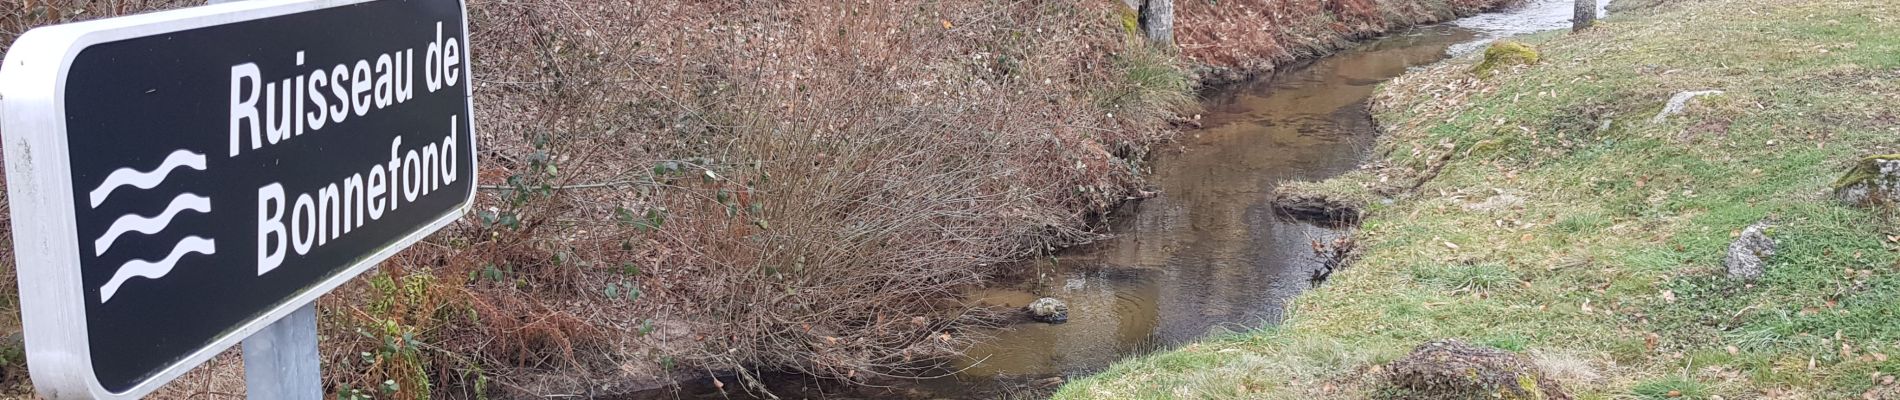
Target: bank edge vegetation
1571, 229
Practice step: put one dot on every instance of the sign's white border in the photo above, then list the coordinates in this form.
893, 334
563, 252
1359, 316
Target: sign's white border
39, 184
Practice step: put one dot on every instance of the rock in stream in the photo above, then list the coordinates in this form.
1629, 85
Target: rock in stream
1049, 310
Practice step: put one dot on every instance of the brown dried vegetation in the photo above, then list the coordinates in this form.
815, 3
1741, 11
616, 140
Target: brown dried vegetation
681, 187
1239, 38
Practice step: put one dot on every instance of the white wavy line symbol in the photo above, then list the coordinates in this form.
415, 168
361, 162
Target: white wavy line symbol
149, 225
156, 269
147, 180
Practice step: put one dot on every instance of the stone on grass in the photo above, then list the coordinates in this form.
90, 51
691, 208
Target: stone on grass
1678, 102
1875, 180
1049, 310
1450, 369
1748, 255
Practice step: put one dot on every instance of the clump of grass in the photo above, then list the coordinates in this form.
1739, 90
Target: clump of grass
1465, 277
1615, 254
1354, 187
1150, 84
1670, 388
1340, 201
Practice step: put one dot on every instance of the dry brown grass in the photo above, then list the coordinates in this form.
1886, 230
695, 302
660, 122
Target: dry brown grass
829, 176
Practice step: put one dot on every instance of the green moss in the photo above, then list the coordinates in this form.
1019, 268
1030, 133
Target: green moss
1867, 168
1527, 388
1131, 21
1505, 53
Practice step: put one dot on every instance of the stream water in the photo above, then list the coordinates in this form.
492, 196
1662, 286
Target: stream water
1209, 253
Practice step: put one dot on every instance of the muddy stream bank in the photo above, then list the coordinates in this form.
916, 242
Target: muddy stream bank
1208, 253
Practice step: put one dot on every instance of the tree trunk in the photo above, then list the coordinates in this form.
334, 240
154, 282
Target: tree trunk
1157, 21
1585, 15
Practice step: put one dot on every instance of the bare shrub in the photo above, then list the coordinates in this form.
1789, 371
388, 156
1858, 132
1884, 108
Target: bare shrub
799, 186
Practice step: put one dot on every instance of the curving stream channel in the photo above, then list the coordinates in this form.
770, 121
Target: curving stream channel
1207, 254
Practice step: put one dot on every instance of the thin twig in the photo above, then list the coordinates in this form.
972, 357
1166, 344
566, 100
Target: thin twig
566, 187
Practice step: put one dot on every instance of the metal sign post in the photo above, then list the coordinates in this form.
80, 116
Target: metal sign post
187, 180
280, 362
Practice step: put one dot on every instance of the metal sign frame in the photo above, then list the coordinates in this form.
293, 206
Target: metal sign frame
40, 187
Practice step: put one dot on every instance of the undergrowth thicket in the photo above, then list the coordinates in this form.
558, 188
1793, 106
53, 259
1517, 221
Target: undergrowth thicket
689, 188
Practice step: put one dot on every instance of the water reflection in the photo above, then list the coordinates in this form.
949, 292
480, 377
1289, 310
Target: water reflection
1209, 252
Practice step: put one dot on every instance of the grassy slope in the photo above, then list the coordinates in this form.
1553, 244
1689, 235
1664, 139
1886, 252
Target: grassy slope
1609, 271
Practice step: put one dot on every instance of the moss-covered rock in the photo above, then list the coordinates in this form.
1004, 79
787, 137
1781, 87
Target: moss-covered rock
1454, 370
1131, 20
1505, 53
1049, 310
1875, 180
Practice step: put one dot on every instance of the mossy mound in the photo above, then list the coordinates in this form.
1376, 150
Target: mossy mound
1341, 201
1131, 21
1454, 370
1873, 180
1503, 54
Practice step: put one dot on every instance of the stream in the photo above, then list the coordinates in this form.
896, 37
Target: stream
1208, 254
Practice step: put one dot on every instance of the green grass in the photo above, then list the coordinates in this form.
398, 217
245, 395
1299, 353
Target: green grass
1151, 84
1611, 270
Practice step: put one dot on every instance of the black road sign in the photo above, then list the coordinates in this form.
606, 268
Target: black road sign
181, 179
